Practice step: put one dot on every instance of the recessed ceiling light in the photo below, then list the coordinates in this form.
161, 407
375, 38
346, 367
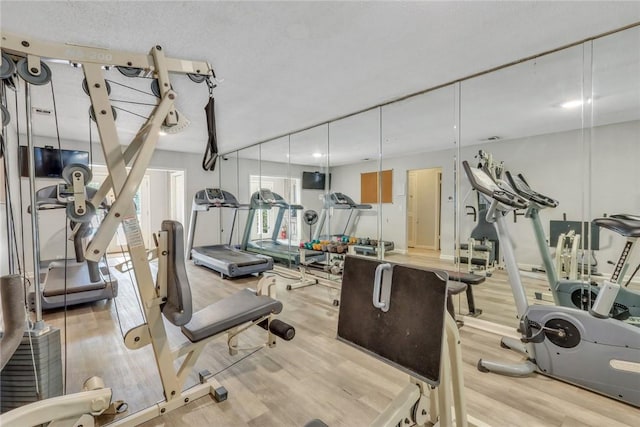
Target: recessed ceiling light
574, 103
317, 155
162, 133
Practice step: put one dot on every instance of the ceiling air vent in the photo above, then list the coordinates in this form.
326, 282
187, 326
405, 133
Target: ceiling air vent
491, 138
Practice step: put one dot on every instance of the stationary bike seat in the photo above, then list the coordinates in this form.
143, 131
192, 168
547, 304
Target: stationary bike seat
624, 227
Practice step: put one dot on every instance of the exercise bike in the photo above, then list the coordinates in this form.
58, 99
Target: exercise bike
574, 293
585, 348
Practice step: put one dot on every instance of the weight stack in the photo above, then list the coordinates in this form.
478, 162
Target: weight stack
18, 379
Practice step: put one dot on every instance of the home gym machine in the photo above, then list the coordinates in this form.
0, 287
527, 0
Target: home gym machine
573, 293
223, 258
170, 296
66, 282
481, 251
398, 315
587, 348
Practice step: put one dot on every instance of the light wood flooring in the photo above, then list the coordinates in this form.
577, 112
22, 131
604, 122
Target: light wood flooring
493, 297
312, 376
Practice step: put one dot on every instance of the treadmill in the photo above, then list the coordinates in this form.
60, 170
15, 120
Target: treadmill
341, 201
223, 258
283, 252
72, 282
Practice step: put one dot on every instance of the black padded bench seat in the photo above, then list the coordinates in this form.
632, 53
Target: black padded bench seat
241, 307
468, 279
624, 227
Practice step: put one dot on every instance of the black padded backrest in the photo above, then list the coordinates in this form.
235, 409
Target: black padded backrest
408, 336
178, 308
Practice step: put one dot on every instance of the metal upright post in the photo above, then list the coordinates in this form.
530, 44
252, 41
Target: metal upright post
34, 210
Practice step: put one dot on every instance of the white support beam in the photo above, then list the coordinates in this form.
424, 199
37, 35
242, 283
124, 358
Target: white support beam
23, 46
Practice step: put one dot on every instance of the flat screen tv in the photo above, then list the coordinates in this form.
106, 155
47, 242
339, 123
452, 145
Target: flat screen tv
50, 161
313, 180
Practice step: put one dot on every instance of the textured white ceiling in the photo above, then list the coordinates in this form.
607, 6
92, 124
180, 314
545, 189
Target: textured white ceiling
287, 65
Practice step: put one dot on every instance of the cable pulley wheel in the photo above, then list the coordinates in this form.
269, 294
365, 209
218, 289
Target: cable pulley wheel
85, 87
197, 78
92, 113
22, 67
69, 170
84, 216
6, 117
570, 337
129, 71
7, 67
155, 88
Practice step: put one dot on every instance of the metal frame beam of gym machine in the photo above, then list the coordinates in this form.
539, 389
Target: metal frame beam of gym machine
124, 184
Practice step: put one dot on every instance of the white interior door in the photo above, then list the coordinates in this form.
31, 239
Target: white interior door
428, 209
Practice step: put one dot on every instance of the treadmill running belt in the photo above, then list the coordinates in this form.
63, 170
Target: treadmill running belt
232, 256
77, 281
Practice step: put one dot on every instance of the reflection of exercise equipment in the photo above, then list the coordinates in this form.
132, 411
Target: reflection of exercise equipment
310, 217
569, 238
224, 259
480, 252
397, 314
576, 346
67, 282
265, 200
567, 255
569, 293
341, 202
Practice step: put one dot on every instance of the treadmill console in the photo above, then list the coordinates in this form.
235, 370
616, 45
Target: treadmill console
267, 196
214, 195
339, 199
209, 196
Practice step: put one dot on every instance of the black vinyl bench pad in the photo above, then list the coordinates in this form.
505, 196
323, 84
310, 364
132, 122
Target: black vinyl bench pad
241, 307
468, 278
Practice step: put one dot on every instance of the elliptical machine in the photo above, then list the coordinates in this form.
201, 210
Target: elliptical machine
573, 293
598, 353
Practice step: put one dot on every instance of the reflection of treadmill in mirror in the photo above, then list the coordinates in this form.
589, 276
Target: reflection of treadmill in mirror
223, 258
264, 200
71, 282
339, 201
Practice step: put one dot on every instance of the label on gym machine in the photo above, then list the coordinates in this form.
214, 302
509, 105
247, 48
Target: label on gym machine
132, 231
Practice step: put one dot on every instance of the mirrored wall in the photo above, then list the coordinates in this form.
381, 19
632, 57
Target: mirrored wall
390, 182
